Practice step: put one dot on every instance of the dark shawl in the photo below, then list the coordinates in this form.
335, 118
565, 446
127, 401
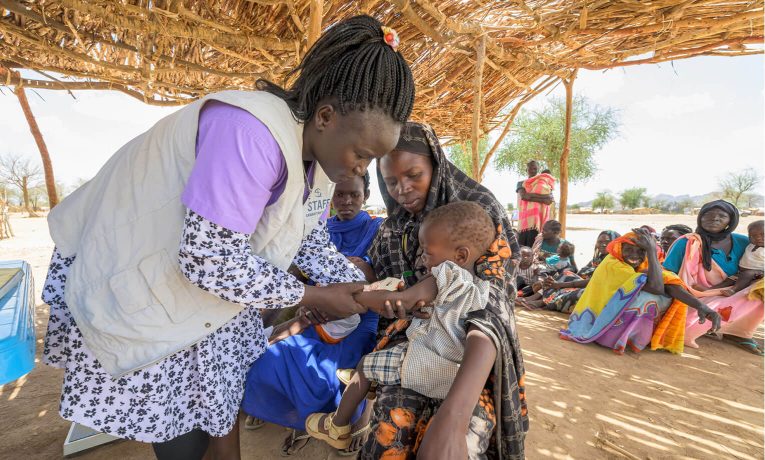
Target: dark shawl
708, 238
395, 253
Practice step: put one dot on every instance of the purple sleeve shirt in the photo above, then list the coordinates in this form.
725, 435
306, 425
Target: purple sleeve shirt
239, 168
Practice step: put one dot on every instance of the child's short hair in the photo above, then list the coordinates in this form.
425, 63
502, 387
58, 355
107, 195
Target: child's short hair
553, 225
468, 224
566, 249
757, 223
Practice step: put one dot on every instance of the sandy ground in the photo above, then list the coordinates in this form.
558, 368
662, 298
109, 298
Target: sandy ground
585, 401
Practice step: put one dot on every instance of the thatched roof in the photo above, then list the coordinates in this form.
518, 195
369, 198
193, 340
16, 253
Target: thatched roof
167, 52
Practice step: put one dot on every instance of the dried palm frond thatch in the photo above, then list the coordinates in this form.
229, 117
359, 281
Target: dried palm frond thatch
167, 52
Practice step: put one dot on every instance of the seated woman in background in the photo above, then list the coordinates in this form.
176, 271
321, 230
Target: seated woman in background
631, 302
296, 376
562, 293
670, 234
707, 257
547, 242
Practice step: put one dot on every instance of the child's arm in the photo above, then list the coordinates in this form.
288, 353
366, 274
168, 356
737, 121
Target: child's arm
288, 329
403, 301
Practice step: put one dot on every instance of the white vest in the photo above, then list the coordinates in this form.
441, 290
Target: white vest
125, 289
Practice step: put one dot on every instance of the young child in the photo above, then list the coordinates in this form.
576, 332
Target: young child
750, 267
452, 237
548, 241
525, 275
554, 265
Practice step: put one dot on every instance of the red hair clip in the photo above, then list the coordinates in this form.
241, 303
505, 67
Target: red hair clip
391, 37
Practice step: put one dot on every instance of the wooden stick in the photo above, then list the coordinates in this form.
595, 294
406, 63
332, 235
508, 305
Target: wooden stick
478, 91
314, 24
569, 85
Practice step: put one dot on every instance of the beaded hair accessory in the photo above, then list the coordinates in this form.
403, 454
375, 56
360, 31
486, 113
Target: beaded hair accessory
391, 37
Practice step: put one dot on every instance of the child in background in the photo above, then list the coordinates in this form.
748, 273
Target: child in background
750, 266
525, 275
555, 264
453, 237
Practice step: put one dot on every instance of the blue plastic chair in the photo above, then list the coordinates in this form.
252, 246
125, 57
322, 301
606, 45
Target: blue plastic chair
17, 322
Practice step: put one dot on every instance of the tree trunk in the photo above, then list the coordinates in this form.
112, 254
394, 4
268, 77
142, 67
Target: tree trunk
477, 94
50, 181
569, 85
25, 194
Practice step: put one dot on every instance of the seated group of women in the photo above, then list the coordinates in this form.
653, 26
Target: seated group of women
622, 298
635, 290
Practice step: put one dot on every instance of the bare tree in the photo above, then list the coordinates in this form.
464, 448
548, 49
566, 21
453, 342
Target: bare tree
736, 185
21, 173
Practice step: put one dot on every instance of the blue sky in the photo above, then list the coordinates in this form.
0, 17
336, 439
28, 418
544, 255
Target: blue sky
684, 124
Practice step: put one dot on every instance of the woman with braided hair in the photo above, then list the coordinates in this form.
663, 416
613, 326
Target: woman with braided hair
165, 258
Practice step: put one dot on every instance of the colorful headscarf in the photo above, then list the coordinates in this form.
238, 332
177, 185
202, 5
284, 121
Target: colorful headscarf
706, 237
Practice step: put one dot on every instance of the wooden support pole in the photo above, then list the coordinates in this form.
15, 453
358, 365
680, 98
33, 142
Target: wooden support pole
50, 181
569, 85
314, 24
478, 92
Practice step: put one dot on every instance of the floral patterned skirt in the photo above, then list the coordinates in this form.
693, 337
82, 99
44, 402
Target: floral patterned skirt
198, 387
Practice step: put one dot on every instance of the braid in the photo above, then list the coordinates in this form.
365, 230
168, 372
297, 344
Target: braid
352, 65
679, 228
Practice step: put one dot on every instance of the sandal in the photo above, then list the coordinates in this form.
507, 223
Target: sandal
749, 345
355, 435
320, 426
294, 443
252, 423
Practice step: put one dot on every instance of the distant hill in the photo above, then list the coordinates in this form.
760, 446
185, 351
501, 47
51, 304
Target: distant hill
697, 200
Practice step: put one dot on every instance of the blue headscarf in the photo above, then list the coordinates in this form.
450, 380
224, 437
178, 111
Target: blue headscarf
353, 237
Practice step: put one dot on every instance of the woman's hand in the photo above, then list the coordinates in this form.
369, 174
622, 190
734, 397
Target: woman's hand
332, 301
444, 439
644, 240
549, 283
706, 313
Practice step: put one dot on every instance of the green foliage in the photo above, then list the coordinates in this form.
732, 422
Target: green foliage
464, 159
539, 135
604, 200
510, 207
632, 197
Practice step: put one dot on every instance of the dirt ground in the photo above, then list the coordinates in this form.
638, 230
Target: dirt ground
585, 402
